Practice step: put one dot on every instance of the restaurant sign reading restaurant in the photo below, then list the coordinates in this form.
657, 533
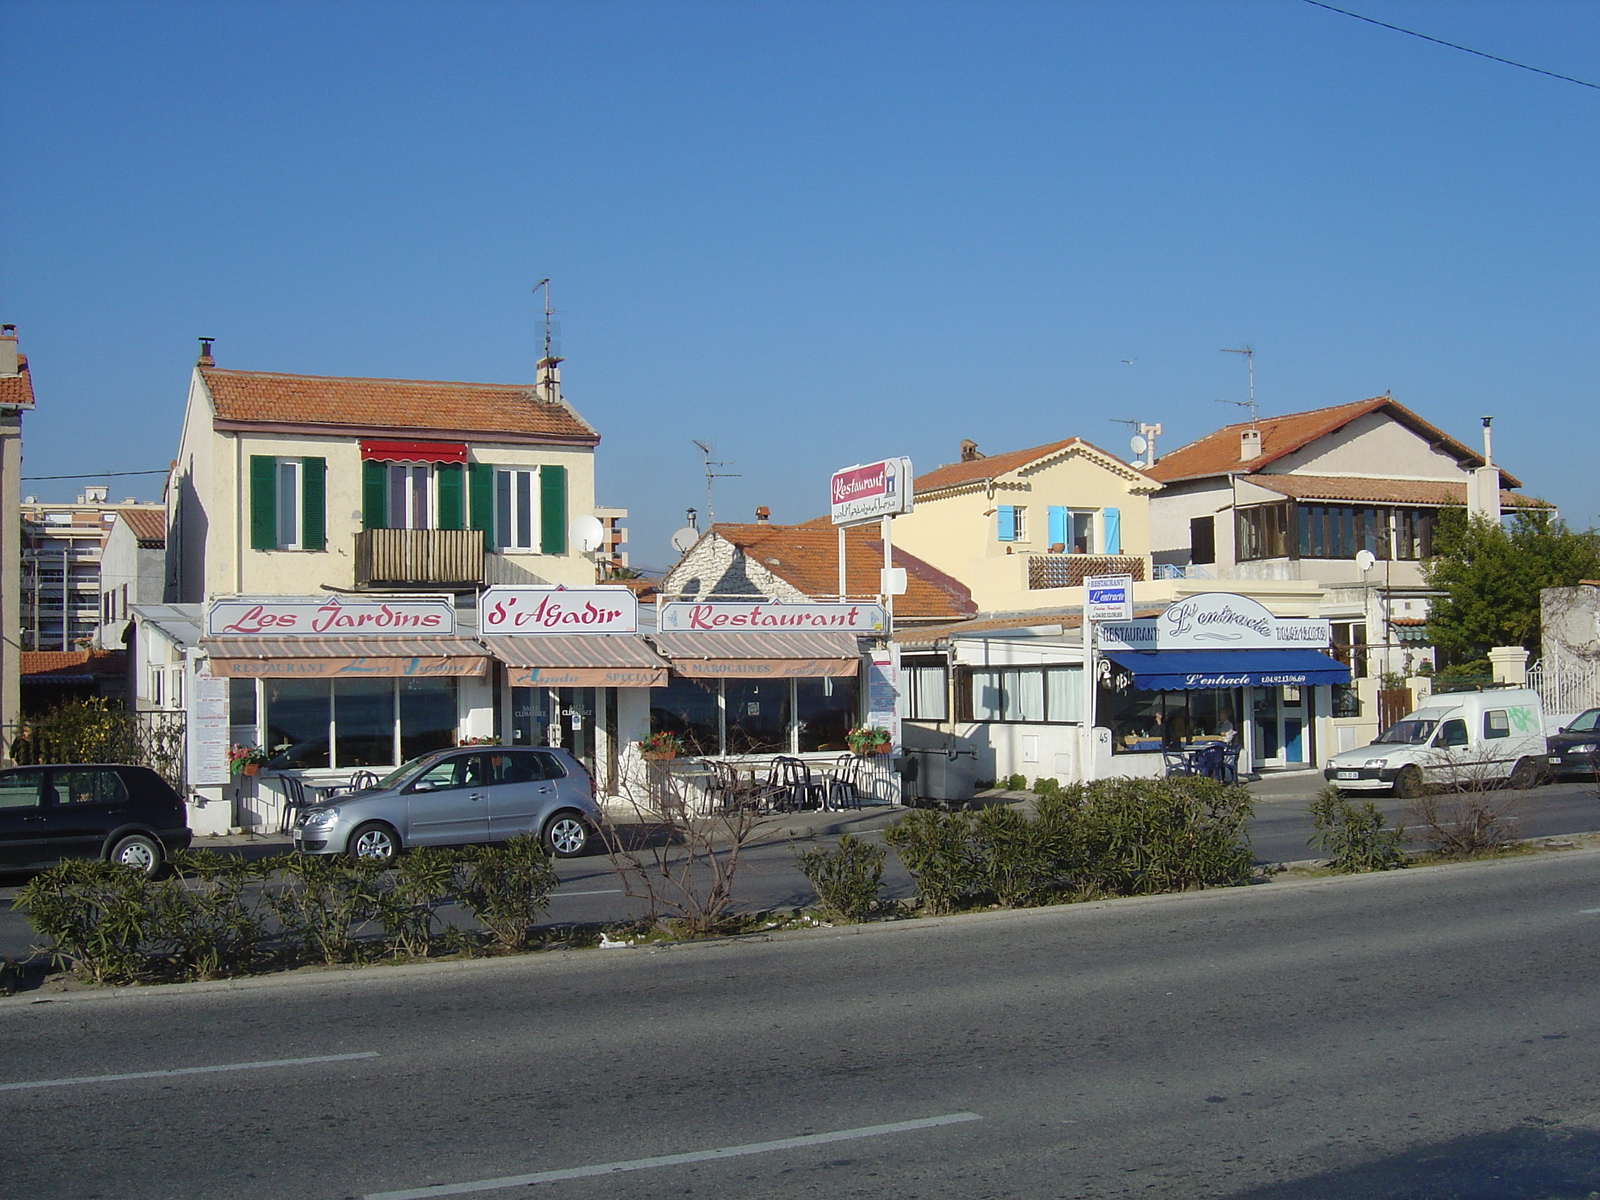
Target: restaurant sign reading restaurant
1215, 621
764, 616
331, 616
862, 493
517, 611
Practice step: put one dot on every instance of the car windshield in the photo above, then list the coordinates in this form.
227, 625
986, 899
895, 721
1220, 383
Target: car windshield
403, 773
1586, 723
1412, 731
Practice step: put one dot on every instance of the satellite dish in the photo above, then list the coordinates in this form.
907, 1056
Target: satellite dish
685, 538
587, 533
1365, 560
1137, 444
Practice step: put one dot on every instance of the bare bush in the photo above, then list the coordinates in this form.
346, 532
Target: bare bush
1466, 808
676, 850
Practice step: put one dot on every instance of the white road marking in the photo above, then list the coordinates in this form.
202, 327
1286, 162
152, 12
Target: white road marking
1584, 912
672, 1160
248, 1066
602, 892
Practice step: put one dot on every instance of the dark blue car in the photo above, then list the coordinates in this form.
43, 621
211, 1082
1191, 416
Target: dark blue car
120, 813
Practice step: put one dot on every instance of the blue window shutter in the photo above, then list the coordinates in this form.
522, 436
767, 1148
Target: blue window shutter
1113, 523
1008, 523
1058, 526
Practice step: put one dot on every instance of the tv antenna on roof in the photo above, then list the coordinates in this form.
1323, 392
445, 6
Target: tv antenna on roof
712, 473
552, 329
1250, 363
1143, 441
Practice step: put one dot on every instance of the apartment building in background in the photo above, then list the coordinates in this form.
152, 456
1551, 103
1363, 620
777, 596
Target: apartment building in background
62, 548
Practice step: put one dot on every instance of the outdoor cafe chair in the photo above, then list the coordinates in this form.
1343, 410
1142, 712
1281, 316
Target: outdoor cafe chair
294, 800
1177, 763
1207, 760
796, 788
843, 783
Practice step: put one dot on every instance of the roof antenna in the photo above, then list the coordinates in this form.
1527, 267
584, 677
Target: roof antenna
1143, 441
552, 330
1250, 363
711, 473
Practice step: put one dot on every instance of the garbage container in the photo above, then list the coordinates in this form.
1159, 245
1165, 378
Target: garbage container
943, 774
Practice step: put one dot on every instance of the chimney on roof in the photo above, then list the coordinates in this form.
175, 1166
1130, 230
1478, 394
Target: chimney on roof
205, 359
1249, 444
547, 383
969, 451
10, 361
1483, 485
763, 514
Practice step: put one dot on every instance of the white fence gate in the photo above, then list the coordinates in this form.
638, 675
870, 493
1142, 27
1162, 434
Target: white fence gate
1566, 686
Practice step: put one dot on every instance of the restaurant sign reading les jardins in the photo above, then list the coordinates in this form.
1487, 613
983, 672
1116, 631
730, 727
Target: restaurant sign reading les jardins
331, 616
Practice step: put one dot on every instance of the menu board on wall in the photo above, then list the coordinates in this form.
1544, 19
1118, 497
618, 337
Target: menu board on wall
208, 728
882, 676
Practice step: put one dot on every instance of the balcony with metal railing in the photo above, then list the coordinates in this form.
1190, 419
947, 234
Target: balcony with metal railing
408, 557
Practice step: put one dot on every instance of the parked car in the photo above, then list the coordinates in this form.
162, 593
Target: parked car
120, 813
1455, 739
1575, 750
455, 797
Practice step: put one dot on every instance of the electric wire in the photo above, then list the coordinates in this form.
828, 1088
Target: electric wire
1441, 42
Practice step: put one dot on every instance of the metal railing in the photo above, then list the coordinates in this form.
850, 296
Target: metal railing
1070, 570
1566, 687
419, 556
1175, 571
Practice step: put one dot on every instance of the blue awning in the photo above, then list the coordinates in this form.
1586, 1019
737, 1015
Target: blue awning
1182, 670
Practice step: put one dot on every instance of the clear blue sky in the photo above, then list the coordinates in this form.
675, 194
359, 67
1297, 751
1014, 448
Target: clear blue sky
815, 234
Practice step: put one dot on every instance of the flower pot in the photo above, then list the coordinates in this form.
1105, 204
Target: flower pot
251, 768
660, 755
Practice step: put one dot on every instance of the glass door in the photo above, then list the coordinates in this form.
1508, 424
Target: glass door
577, 713
1280, 725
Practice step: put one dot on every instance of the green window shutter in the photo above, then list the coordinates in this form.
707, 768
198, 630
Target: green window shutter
480, 492
263, 502
373, 495
448, 476
552, 510
313, 504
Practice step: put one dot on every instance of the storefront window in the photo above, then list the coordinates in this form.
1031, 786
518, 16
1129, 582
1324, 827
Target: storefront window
427, 716
688, 708
242, 712
1149, 721
758, 716
1023, 695
297, 716
530, 716
922, 690
825, 710
363, 720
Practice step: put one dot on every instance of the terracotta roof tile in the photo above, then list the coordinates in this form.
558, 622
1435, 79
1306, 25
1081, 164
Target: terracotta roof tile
44, 663
807, 556
1218, 453
267, 397
148, 526
16, 391
1387, 491
955, 474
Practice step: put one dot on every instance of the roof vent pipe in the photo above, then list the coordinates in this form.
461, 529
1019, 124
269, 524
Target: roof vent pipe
1488, 446
205, 359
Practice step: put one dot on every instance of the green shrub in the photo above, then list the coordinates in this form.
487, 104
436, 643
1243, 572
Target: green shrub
1046, 787
322, 903
407, 900
936, 848
1011, 858
507, 886
847, 878
1016, 783
1354, 836
96, 915
207, 917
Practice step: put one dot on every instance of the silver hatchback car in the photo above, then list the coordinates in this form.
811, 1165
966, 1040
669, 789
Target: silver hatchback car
453, 797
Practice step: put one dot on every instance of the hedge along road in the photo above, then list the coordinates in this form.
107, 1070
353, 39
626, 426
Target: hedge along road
591, 892
1403, 1034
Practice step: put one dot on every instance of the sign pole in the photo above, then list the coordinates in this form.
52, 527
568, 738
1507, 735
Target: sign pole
888, 565
841, 564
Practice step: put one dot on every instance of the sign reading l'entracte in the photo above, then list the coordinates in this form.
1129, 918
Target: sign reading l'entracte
544, 610
1215, 621
331, 616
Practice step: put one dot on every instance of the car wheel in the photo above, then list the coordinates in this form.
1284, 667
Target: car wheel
1408, 784
566, 836
1526, 774
141, 852
375, 840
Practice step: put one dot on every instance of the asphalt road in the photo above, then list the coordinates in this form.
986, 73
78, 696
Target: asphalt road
768, 878
1425, 1033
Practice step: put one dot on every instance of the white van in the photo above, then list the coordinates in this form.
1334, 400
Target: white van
1456, 738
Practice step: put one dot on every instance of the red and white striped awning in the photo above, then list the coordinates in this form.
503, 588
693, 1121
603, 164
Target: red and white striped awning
590, 660
344, 658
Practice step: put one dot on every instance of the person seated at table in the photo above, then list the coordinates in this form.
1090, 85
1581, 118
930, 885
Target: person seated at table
1225, 726
1177, 730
